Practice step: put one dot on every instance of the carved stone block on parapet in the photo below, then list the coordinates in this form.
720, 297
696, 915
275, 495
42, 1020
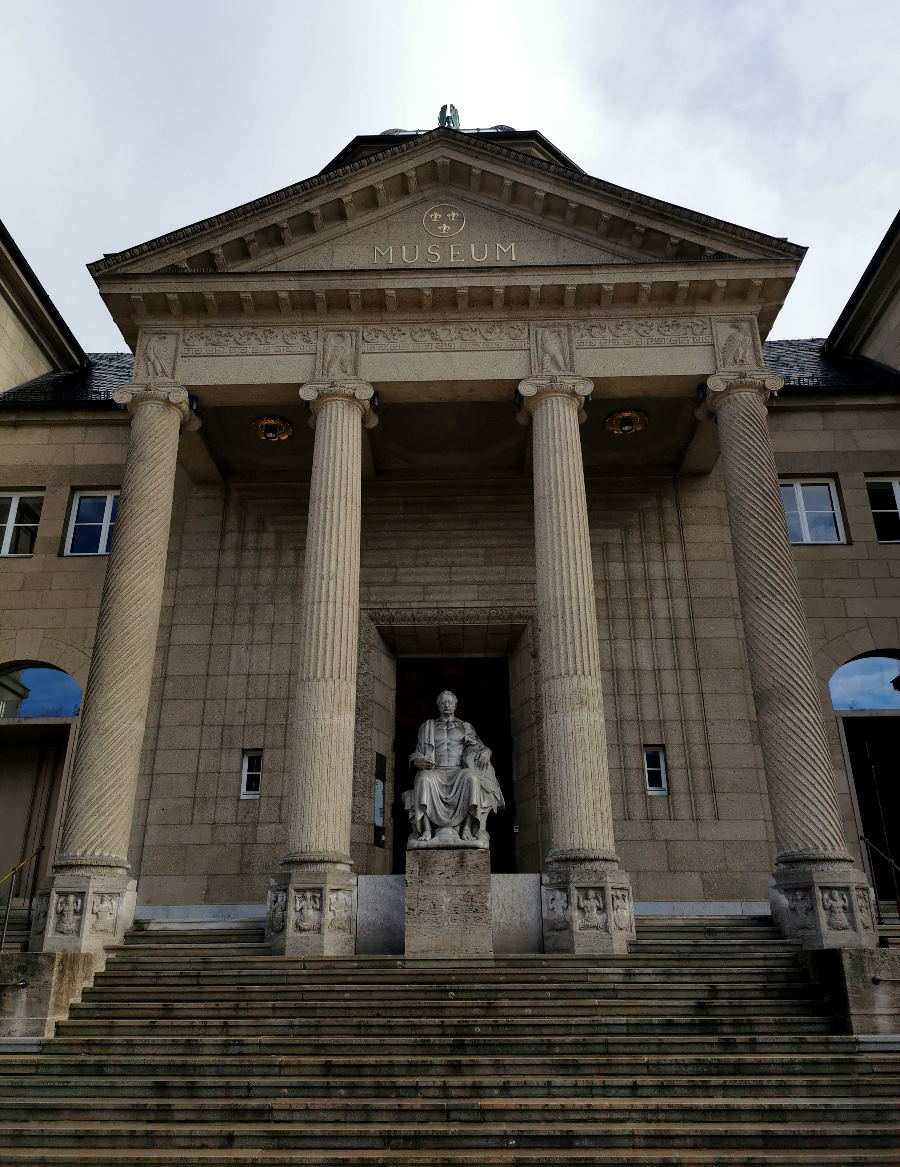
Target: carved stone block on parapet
82, 913
312, 913
448, 902
826, 905
587, 911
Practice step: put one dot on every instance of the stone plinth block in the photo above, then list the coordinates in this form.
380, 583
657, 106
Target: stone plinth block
39, 987
312, 913
448, 902
82, 913
587, 911
824, 905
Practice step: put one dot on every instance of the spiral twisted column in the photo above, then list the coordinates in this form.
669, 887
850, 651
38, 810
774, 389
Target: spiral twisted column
809, 833
91, 895
582, 856
317, 867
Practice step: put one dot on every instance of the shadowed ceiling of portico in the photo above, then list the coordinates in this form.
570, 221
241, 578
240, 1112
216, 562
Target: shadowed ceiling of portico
434, 440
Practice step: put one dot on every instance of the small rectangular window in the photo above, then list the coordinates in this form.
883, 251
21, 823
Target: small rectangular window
656, 773
20, 515
92, 522
251, 773
884, 499
812, 512
378, 835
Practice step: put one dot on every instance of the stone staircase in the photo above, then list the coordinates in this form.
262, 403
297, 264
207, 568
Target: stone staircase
706, 1045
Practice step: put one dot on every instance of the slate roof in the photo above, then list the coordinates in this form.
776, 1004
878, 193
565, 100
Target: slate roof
802, 363
806, 368
90, 387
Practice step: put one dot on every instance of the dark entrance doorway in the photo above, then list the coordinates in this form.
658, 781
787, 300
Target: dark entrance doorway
873, 745
482, 686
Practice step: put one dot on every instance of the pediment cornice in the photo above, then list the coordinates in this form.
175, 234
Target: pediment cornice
634, 226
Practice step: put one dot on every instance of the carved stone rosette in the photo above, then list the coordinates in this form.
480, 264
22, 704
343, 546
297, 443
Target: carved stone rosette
811, 851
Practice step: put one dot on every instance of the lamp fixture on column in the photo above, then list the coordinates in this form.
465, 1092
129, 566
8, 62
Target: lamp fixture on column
273, 429
625, 422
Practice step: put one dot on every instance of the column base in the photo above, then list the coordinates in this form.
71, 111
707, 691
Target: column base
586, 907
82, 912
823, 904
448, 902
311, 911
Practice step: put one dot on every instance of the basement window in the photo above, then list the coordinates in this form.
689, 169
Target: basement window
656, 773
251, 773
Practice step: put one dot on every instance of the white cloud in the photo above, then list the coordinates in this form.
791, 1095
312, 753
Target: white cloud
124, 121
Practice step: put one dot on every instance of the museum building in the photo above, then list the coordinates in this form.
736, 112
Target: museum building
452, 414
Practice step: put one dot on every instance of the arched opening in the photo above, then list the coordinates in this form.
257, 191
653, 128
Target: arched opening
865, 695
38, 706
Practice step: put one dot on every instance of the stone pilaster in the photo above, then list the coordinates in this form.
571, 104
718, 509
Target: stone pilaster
819, 894
586, 896
312, 901
90, 901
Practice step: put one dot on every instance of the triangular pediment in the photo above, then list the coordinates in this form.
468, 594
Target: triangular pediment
526, 211
443, 230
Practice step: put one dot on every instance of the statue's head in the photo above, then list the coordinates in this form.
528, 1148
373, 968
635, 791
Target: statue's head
446, 703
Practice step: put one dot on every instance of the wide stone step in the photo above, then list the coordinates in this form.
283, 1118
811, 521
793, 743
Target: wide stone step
864, 1082
452, 1136
393, 1029
534, 1007
692, 1110
515, 1157
754, 1060
589, 1043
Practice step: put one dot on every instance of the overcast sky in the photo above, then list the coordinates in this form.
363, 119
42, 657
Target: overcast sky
123, 119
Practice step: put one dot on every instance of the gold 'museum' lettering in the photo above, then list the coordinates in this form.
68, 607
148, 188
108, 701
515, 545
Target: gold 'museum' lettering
448, 253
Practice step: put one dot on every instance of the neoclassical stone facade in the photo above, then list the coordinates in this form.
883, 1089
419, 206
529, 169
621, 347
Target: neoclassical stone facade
450, 400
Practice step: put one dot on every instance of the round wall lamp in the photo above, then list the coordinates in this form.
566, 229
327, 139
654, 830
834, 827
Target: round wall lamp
624, 422
273, 429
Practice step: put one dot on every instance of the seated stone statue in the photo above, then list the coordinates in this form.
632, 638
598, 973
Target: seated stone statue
455, 786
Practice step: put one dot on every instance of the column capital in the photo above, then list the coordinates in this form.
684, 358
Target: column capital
358, 393
134, 396
535, 390
722, 386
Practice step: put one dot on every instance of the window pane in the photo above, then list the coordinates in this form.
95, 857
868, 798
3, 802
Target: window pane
887, 526
651, 758
881, 496
816, 496
795, 531
85, 540
5, 504
822, 527
788, 498
251, 785
91, 508
29, 509
22, 542
114, 509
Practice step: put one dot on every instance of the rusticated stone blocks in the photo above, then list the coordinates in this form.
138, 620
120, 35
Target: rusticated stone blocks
448, 902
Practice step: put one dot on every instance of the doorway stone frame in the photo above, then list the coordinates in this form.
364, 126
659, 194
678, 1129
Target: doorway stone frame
375, 620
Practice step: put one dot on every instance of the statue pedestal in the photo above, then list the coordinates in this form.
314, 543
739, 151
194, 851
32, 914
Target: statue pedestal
448, 902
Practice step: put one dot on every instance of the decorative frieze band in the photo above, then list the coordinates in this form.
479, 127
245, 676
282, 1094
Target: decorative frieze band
475, 336
262, 340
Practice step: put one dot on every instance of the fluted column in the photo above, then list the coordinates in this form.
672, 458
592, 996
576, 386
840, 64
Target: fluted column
311, 908
91, 897
582, 869
819, 893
